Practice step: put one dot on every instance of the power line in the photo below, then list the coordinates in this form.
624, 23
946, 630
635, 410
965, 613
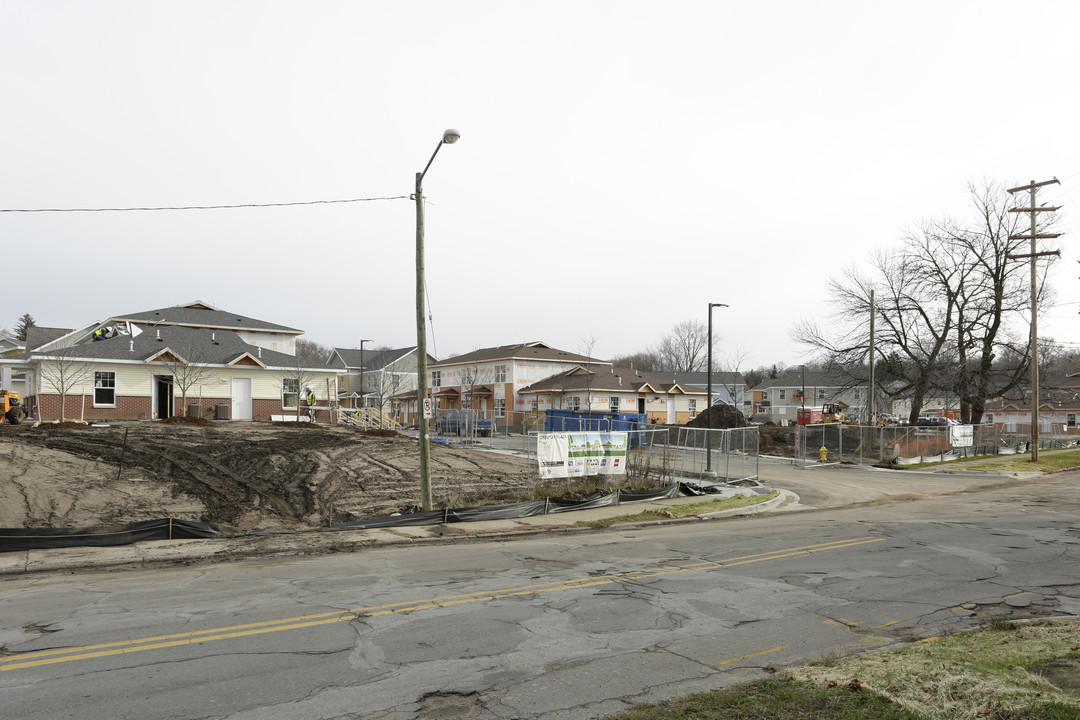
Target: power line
201, 207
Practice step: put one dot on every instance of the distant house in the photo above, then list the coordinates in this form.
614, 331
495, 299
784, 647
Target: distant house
779, 399
144, 366
728, 388
1059, 408
373, 378
618, 390
490, 379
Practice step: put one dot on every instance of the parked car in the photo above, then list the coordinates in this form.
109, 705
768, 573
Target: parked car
935, 421
462, 422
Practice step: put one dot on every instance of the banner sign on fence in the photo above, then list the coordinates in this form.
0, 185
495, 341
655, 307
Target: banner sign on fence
580, 454
962, 435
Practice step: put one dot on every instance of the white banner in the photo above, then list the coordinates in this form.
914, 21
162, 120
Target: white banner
581, 454
962, 435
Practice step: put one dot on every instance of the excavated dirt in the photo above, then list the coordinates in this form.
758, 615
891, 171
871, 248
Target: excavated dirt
242, 476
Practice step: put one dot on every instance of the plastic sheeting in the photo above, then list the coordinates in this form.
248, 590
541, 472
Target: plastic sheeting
532, 508
12, 539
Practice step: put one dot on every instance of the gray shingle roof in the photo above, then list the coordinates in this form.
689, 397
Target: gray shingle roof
612, 379
201, 315
373, 359
198, 346
38, 336
521, 351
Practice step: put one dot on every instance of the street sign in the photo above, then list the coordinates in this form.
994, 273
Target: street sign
427, 409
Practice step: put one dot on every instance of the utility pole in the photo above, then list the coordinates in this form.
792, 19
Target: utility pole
1033, 340
870, 397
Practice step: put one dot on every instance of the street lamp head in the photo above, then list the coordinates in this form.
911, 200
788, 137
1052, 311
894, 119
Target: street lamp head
712, 305
450, 136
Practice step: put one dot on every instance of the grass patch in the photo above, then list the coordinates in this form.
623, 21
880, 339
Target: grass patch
1048, 462
997, 673
774, 700
679, 511
981, 673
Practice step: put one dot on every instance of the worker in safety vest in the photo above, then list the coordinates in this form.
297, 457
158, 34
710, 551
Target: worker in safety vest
99, 334
309, 397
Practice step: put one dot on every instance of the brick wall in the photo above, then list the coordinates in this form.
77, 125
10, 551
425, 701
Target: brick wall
127, 408
140, 408
207, 405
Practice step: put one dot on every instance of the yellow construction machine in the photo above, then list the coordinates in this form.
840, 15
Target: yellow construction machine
831, 413
10, 409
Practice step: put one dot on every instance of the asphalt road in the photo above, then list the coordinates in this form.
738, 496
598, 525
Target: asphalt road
559, 626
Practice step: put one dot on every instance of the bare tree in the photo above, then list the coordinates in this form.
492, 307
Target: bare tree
381, 387
644, 360
730, 363
189, 369
914, 320
998, 289
944, 303
63, 372
473, 377
312, 352
685, 348
585, 348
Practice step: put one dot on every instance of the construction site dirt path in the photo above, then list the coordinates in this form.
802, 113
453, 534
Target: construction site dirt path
243, 476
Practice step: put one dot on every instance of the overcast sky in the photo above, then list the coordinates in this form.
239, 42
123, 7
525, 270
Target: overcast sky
621, 164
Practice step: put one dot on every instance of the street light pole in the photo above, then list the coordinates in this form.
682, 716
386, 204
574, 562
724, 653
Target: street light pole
363, 403
449, 137
708, 401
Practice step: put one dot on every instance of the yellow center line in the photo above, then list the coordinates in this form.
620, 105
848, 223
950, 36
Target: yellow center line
766, 651
49, 657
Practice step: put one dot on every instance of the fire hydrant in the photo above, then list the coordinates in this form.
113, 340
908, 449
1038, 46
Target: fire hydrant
824, 453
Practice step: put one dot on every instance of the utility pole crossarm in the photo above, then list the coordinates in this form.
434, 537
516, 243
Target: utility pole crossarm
1043, 208
1033, 185
1037, 236
1055, 253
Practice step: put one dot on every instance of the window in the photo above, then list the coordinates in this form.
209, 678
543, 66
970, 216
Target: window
692, 404
820, 394
500, 373
988, 419
500, 407
613, 404
1070, 420
104, 388
573, 403
783, 394
535, 404
436, 378
466, 403
290, 393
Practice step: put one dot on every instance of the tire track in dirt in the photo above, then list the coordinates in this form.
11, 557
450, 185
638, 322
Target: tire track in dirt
244, 475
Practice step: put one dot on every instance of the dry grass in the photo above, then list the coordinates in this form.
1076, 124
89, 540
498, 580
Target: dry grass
978, 674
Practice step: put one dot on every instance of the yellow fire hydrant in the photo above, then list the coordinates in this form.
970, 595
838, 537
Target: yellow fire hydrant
824, 453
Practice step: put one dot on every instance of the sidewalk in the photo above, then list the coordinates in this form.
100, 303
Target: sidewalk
315, 542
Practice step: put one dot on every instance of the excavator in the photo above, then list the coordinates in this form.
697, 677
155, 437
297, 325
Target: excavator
10, 409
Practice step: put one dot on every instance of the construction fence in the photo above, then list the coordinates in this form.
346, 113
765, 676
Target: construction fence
655, 454
835, 443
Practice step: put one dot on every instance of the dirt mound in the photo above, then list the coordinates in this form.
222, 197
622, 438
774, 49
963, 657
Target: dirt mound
240, 475
720, 416
778, 441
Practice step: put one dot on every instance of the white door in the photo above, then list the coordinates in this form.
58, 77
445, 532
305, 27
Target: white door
241, 398
671, 411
